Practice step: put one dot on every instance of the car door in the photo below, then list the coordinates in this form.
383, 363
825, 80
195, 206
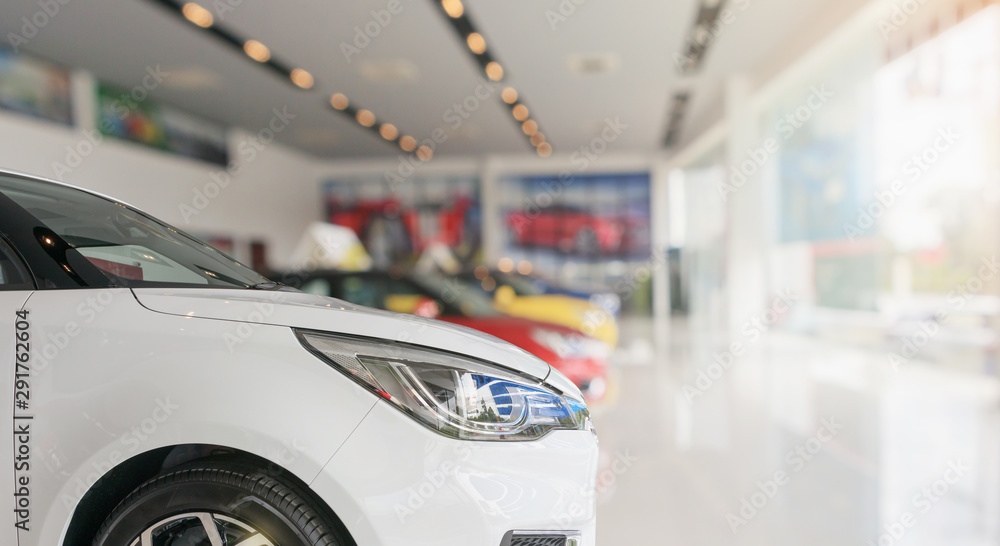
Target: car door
15, 288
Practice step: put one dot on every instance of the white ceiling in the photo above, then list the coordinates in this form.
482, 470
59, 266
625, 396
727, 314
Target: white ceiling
118, 39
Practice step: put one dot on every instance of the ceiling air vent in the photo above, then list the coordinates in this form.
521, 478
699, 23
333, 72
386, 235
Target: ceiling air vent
593, 64
391, 70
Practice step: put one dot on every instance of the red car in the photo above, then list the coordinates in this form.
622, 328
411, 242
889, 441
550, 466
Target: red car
581, 358
409, 228
571, 230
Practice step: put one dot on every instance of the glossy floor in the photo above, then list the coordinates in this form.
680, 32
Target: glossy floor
799, 441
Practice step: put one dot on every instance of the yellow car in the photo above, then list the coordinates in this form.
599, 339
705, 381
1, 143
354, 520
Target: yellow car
563, 310
567, 311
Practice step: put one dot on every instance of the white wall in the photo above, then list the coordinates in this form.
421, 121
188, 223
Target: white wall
273, 199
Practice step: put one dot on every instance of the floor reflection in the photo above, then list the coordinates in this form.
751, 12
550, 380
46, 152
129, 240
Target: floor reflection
800, 441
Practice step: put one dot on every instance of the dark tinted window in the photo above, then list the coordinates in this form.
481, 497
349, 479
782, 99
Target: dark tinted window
13, 276
363, 290
128, 247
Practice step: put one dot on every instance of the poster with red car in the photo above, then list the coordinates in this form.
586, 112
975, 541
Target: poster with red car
396, 223
588, 218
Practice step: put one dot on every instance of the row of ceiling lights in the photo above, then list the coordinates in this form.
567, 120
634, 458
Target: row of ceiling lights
494, 71
259, 52
366, 118
254, 49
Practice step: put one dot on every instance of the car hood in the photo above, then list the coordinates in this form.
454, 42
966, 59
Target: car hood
300, 310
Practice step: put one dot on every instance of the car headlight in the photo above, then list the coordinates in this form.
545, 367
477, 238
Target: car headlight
457, 396
570, 346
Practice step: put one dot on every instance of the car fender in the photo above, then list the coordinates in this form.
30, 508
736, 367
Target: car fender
111, 379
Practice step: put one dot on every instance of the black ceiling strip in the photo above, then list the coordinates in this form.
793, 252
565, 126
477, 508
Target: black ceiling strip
695, 49
678, 109
233, 40
352, 113
463, 26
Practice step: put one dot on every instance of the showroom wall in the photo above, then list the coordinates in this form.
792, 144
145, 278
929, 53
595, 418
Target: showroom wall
272, 199
278, 191
526, 184
271, 196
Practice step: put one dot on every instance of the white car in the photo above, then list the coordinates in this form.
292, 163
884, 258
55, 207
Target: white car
164, 394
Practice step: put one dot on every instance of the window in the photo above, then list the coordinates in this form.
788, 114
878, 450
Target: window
456, 296
362, 290
316, 287
13, 275
129, 248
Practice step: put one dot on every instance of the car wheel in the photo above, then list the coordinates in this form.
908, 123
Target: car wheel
221, 502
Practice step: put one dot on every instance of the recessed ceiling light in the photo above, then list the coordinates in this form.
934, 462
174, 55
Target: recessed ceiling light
537, 139
425, 153
476, 43
366, 118
494, 71
520, 112
339, 101
529, 127
453, 8
408, 143
545, 149
257, 51
509, 95
197, 15
301, 78
388, 131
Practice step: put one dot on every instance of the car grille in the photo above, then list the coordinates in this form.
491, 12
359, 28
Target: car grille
538, 540
541, 538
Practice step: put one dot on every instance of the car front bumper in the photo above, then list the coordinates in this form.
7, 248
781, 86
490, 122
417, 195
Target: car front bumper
395, 483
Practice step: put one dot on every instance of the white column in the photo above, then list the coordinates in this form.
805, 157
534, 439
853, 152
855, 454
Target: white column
747, 221
660, 218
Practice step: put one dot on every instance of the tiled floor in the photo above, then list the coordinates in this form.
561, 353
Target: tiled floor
800, 442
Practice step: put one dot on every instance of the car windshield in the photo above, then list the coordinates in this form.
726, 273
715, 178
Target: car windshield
467, 297
129, 247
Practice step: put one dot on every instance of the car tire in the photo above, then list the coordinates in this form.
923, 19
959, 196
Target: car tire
239, 499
